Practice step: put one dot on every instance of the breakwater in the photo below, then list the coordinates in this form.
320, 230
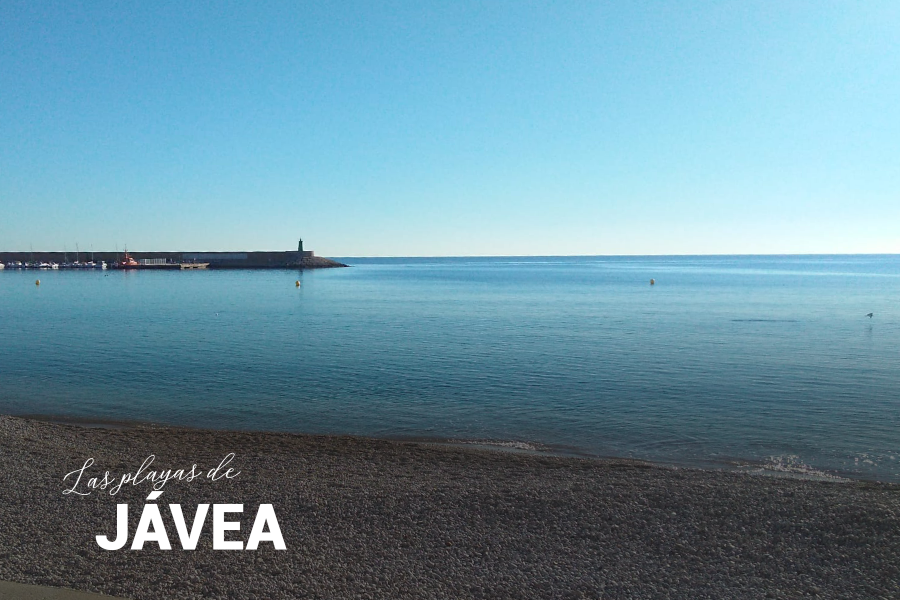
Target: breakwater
217, 260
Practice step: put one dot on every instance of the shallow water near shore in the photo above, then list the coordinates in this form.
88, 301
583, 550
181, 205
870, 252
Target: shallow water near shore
764, 361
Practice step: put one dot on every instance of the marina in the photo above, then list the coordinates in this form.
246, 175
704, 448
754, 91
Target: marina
52, 265
174, 260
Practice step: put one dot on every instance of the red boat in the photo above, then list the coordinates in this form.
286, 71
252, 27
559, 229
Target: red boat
128, 262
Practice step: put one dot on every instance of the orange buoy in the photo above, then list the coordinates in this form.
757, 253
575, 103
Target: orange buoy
37, 282
297, 283
652, 282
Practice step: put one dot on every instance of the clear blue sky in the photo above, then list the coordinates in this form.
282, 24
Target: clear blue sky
451, 128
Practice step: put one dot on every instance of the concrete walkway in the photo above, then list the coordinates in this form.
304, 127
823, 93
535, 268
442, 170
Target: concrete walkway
20, 591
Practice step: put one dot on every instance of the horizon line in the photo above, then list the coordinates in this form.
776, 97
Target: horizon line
636, 255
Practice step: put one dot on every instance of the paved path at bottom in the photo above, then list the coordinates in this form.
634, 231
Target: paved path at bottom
20, 591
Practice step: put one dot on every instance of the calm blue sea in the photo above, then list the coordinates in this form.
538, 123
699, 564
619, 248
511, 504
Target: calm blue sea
766, 362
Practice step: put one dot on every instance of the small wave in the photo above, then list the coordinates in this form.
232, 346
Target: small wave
510, 444
764, 321
790, 465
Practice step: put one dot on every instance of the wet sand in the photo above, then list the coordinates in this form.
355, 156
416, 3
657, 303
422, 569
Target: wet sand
366, 518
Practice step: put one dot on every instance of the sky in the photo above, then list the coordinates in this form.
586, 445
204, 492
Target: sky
451, 128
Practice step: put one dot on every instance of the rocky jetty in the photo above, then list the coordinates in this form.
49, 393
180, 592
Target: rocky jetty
316, 262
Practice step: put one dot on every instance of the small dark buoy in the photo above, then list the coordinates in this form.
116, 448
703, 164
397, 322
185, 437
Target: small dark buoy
870, 315
37, 282
652, 282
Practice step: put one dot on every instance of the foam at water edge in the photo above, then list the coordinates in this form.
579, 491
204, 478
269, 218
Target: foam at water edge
790, 465
511, 444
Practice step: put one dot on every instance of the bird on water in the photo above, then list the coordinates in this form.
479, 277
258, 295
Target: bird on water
870, 315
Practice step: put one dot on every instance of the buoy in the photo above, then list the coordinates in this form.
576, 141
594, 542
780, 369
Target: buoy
652, 282
298, 283
37, 282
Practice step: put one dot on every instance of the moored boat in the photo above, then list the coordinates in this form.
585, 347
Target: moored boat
128, 262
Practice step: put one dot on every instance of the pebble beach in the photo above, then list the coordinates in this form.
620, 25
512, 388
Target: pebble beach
369, 518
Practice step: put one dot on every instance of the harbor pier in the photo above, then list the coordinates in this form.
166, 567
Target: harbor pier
291, 259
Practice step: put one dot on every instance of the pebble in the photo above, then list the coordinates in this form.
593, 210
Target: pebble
366, 518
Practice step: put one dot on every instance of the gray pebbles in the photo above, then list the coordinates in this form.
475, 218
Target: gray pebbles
367, 518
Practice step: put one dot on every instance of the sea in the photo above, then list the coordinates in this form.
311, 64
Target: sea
768, 364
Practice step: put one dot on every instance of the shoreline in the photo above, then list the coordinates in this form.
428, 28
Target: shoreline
398, 519
736, 464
